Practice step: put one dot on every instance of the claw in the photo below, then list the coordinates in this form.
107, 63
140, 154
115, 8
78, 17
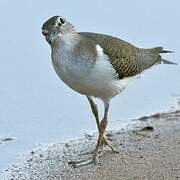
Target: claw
77, 164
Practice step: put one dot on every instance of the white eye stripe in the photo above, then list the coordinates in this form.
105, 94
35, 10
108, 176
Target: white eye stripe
61, 21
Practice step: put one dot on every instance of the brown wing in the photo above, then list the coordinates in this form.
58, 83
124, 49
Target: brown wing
125, 58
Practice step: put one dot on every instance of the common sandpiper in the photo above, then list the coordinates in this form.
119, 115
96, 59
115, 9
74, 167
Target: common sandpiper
96, 65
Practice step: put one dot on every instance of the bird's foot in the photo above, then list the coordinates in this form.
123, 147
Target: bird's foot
77, 164
95, 159
106, 143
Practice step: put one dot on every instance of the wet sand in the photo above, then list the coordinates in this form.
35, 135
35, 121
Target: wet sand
149, 150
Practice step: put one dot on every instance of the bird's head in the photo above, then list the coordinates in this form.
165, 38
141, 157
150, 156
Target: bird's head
56, 28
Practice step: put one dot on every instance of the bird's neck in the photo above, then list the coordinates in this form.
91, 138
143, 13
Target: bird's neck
67, 40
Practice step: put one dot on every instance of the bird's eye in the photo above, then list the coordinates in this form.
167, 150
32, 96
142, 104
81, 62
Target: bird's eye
62, 21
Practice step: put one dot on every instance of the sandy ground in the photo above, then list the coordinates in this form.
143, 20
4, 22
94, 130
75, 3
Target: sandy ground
149, 150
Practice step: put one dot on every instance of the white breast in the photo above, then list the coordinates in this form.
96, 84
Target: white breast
88, 76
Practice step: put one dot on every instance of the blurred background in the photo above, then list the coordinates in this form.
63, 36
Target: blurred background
37, 108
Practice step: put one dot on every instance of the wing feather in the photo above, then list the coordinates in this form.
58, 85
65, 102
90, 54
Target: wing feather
125, 58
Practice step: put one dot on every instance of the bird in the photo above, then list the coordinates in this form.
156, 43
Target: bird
97, 66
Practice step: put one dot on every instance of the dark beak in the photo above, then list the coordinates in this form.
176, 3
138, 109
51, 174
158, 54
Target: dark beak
49, 35
44, 34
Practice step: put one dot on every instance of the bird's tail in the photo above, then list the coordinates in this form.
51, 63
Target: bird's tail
159, 50
164, 61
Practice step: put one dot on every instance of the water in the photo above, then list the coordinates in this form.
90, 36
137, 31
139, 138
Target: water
37, 108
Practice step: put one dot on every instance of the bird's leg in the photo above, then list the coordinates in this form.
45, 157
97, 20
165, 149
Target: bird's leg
101, 126
96, 115
94, 110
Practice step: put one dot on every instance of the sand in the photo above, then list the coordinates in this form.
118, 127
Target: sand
149, 150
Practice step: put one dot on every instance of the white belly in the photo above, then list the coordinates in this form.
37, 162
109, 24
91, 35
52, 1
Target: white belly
95, 78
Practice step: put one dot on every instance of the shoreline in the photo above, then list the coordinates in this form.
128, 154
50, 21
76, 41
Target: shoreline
148, 150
